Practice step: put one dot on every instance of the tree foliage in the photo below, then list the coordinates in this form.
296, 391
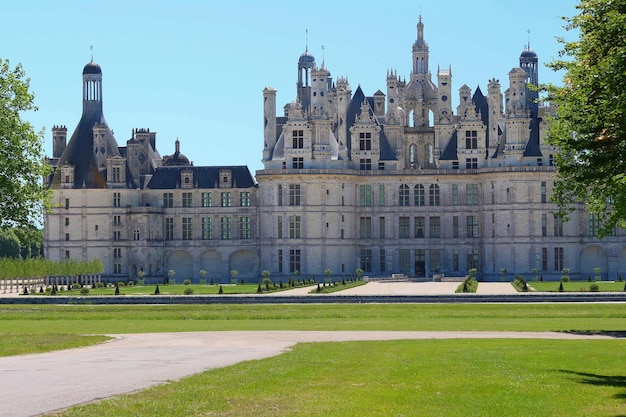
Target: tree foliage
22, 165
590, 123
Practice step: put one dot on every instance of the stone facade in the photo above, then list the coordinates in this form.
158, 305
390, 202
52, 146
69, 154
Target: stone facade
396, 182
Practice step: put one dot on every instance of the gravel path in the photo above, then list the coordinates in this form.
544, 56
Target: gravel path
34, 384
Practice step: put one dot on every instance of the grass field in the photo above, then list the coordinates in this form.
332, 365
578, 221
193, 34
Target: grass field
400, 378
574, 286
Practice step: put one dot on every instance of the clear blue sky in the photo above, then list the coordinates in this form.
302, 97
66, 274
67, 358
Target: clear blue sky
195, 70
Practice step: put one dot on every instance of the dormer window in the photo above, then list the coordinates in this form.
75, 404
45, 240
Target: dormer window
225, 178
186, 179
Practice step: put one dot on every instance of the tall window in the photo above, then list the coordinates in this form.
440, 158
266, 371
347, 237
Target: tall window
207, 228
471, 194
207, 199
455, 226
294, 194
294, 227
433, 195
594, 224
455, 194
420, 226
135, 234
187, 228
544, 192
187, 199
226, 199
404, 195
418, 195
544, 259
298, 139
226, 228
244, 227
117, 200
472, 258
365, 195
472, 226
279, 227
169, 228
366, 260
381, 227
279, 195
558, 259
280, 260
435, 227
365, 141
381, 195
365, 164
558, 225
365, 228
168, 200
471, 139
405, 260
544, 224
435, 260
455, 260
382, 257
294, 260
244, 198
404, 228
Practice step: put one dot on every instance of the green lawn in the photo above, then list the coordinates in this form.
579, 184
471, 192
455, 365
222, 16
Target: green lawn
576, 286
452, 378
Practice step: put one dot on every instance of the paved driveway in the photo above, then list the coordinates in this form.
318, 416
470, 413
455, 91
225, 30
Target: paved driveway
34, 384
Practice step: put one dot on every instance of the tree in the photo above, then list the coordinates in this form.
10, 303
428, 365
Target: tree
590, 122
22, 165
9, 243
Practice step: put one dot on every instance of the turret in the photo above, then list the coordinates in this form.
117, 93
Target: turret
494, 98
444, 111
305, 64
59, 140
269, 122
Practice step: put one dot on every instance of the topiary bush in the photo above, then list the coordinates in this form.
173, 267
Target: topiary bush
84, 291
187, 282
594, 287
188, 291
75, 286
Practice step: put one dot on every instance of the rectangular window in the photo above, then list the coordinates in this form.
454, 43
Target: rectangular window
294, 194
67, 221
455, 164
294, 260
67, 237
558, 225
544, 224
594, 224
297, 139
169, 228
279, 227
187, 228
381, 227
404, 196
404, 228
207, 228
280, 261
366, 260
455, 260
472, 258
67, 254
365, 141
294, 227
244, 199
279, 195
405, 260
187, 199
382, 257
558, 259
226, 228
207, 199
244, 227
420, 227
455, 194
435, 227
226, 199
67, 205
117, 268
544, 192
381, 195
365, 164
435, 260
455, 226
297, 163
471, 194
544, 259
471, 163
117, 200
418, 195
471, 139
434, 195
365, 195
472, 226
168, 200
365, 228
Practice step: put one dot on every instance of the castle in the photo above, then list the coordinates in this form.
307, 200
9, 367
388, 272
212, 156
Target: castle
397, 182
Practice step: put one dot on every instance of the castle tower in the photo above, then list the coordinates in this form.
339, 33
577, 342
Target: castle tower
59, 140
494, 98
444, 113
319, 89
420, 54
305, 64
528, 61
269, 122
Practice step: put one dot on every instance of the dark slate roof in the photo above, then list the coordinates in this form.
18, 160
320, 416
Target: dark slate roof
449, 154
353, 110
386, 152
482, 106
166, 178
532, 147
92, 68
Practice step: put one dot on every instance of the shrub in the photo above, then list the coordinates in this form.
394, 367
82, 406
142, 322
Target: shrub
130, 283
188, 291
187, 282
99, 284
564, 278
120, 284
75, 286
594, 287
84, 291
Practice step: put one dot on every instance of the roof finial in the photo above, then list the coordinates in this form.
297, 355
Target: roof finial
528, 39
323, 55
91, 47
306, 40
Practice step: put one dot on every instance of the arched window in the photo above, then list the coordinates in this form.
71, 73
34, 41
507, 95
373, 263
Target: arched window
136, 234
404, 195
419, 195
433, 195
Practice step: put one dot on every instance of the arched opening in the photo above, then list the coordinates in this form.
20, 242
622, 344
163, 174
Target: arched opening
182, 264
245, 262
593, 257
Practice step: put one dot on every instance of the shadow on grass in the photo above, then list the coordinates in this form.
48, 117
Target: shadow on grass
615, 381
617, 334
